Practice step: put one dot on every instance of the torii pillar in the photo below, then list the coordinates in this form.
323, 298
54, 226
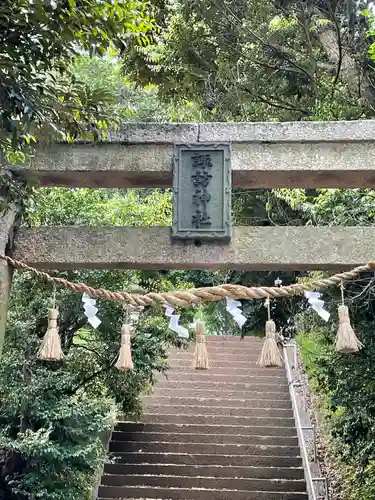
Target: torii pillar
6, 272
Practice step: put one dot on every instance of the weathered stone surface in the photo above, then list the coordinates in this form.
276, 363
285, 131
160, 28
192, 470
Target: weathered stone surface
342, 131
165, 133
254, 165
295, 165
259, 248
170, 133
6, 221
103, 165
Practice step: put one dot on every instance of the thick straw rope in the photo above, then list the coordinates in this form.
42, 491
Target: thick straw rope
196, 295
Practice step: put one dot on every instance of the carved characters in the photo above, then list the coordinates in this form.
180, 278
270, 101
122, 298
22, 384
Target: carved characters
202, 165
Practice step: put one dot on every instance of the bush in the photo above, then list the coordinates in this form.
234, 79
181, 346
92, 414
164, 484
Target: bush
346, 386
53, 415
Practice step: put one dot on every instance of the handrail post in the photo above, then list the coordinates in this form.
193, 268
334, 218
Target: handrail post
301, 438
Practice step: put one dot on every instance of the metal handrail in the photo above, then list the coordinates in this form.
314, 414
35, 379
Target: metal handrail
305, 458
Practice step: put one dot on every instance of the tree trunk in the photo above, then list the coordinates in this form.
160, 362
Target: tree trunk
351, 72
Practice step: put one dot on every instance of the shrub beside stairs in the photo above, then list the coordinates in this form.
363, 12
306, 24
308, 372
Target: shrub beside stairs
223, 434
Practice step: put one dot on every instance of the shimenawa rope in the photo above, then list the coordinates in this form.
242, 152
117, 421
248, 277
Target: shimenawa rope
195, 295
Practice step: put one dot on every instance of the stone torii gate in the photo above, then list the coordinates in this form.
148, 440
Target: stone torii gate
264, 155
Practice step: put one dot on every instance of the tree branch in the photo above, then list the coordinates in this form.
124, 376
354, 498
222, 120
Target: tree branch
257, 61
260, 39
339, 46
24, 420
286, 106
305, 27
67, 332
86, 348
87, 380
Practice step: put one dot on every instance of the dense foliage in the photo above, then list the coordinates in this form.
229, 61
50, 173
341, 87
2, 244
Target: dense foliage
53, 416
75, 68
345, 384
272, 60
39, 41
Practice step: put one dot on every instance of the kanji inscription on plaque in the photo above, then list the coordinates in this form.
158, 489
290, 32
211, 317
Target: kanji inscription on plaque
202, 192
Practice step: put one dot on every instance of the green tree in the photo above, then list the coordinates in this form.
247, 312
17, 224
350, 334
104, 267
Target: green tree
130, 100
345, 384
53, 415
39, 42
250, 60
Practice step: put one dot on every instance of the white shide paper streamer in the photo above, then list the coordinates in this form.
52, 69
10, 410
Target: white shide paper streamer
90, 310
317, 304
174, 325
233, 307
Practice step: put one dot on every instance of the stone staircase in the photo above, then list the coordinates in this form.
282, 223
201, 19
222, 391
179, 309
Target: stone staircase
223, 434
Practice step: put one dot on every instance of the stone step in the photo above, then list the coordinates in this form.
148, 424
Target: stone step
221, 363
234, 341
218, 410
248, 342
230, 349
207, 459
218, 356
148, 493
218, 348
206, 429
217, 420
203, 448
230, 370
209, 392
232, 344
206, 471
244, 484
223, 348
224, 343
119, 437
233, 338
233, 368
220, 402
227, 433
225, 386
187, 362
208, 376
249, 339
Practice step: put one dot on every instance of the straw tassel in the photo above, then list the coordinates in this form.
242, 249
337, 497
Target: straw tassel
346, 340
50, 350
125, 362
270, 355
200, 355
